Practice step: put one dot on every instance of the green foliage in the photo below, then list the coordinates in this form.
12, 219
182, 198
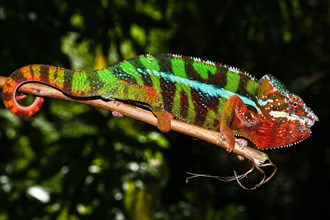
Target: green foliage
72, 161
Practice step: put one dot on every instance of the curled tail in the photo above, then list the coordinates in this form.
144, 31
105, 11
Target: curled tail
56, 77
13, 82
10, 100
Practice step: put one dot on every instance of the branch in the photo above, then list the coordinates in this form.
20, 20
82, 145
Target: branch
258, 159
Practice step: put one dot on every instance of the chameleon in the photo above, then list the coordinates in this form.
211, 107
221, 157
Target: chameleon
197, 91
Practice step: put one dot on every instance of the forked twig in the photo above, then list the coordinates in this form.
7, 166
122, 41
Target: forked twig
259, 167
238, 178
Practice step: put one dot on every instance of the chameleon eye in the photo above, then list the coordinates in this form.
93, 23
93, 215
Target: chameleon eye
295, 104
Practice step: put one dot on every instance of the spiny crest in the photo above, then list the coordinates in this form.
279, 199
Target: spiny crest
234, 69
237, 70
176, 55
249, 75
205, 61
208, 62
196, 59
277, 84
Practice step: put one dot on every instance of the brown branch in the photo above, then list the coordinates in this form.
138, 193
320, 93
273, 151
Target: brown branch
259, 159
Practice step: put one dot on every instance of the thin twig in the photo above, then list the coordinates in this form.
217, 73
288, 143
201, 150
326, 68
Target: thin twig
238, 178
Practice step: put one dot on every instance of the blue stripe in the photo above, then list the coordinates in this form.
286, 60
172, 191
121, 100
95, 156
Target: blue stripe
208, 89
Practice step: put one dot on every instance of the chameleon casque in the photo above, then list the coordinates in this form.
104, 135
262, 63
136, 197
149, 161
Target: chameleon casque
196, 91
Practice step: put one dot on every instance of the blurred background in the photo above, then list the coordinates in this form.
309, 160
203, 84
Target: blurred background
73, 161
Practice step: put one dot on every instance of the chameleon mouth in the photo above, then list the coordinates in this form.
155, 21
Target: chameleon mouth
307, 121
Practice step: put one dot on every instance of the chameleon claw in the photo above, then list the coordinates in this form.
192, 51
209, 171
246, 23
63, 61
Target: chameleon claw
242, 142
229, 140
117, 114
231, 146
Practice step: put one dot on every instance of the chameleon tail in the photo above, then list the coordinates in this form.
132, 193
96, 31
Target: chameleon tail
50, 75
10, 100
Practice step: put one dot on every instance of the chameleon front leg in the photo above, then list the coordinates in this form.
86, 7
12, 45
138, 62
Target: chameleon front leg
235, 115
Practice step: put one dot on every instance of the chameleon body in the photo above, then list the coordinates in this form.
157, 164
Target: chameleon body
196, 91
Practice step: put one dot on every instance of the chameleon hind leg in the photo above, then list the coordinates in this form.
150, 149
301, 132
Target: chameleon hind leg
148, 95
157, 107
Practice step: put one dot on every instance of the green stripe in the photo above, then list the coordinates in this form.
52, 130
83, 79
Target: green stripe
56, 76
203, 69
131, 70
80, 84
222, 104
178, 67
36, 71
209, 120
252, 86
106, 76
108, 83
233, 80
151, 64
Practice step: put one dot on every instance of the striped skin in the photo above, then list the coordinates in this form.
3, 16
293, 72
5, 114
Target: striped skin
199, 92
193, 90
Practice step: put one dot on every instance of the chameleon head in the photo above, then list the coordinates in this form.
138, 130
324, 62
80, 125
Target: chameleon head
285, 119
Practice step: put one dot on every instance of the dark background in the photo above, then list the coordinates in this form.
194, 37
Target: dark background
90, 165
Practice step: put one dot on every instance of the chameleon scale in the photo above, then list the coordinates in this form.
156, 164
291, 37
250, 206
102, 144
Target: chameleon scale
200, 92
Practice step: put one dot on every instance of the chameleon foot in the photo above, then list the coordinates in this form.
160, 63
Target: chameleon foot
242, 142
117, 114
164, 120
